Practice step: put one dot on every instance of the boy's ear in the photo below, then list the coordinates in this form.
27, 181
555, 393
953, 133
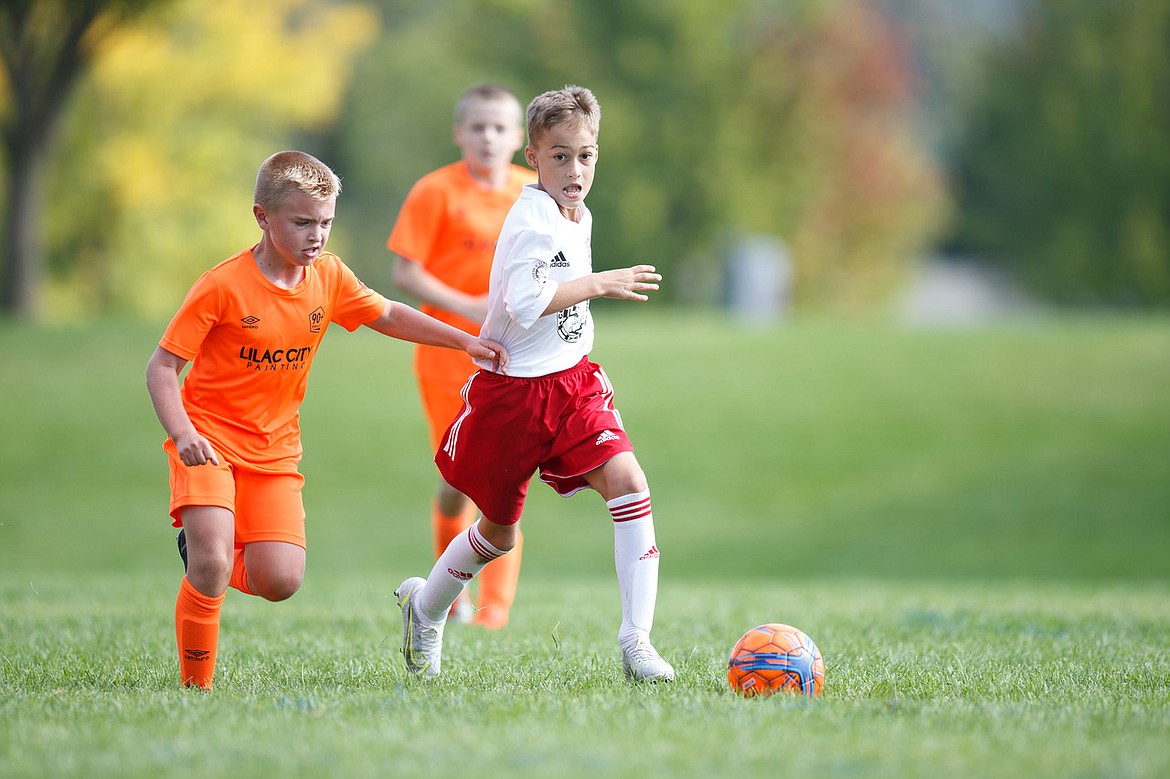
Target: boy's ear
530, 157
261, 215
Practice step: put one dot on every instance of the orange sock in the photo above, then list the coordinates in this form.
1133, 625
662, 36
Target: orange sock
197, 633
497, 588
239, 578
447, 527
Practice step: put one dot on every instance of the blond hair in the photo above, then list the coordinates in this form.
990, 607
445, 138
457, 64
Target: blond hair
485, 93
285, 171
572, 104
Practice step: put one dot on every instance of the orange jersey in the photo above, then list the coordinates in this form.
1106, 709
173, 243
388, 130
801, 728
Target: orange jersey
252, 344
449, 224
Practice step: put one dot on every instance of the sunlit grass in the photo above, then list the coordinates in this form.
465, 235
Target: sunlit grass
986, 680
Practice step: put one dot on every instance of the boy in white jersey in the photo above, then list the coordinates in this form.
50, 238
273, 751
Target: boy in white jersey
553, 411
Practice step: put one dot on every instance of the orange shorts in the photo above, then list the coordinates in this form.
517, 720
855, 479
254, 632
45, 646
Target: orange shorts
267, 504
441, 375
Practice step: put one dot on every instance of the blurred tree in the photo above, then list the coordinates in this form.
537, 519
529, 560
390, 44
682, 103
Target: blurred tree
1064, 172
818, 143
793, 119
45, 45
160, 149
398, 111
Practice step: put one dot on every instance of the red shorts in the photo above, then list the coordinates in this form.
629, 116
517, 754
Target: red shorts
563, 424
267, 505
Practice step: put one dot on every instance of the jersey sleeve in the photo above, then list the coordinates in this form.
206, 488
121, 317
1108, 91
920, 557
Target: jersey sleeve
357, 304
413, 236
196, 316
527, 287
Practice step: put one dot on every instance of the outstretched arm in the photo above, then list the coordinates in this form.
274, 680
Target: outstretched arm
621, 284
400, 321
162, 382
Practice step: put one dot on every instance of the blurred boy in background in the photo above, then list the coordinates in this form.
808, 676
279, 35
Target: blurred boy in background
444, 240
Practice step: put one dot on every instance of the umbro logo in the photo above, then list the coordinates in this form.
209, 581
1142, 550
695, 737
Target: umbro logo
651, 554
250, 322
198, 655
559, 261
607, 435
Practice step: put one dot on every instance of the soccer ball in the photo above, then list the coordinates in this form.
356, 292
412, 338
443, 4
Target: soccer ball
775, 658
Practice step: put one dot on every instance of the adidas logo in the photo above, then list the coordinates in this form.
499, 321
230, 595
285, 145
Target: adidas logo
460, 575
650, 555
608, 435
559, 261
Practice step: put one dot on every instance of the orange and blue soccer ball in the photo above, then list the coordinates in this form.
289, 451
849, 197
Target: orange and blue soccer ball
776, 658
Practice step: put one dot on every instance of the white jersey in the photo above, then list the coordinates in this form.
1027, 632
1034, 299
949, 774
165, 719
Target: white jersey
538, 249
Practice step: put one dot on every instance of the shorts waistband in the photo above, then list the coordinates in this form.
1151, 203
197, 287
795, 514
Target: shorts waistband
581, 366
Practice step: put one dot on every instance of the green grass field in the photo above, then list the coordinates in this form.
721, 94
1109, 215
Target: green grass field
974, 525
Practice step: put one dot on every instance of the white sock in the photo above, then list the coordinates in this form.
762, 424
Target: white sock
460, 562
636, 560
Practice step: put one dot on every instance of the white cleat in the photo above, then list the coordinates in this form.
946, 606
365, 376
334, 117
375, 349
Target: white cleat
422, 642
642, 663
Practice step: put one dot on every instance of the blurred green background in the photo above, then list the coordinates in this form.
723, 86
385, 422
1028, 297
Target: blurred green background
1024, 138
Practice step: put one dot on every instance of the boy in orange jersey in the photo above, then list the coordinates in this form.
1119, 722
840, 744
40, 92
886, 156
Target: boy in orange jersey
444, 240
252, 326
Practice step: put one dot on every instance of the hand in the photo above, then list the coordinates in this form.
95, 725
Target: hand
194, 449
483, 349
626, 283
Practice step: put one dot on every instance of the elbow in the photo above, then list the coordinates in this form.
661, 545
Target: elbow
151, 369
405, 275
399, 277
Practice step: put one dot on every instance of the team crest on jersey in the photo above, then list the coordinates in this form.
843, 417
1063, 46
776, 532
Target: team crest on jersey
316, 320
540, 274
571, 323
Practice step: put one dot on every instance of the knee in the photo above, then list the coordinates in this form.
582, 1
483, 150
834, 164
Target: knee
451, 501
620, 476
502, 537
277, 588
209, 571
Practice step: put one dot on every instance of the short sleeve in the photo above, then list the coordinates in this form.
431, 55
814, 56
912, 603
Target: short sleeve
527, 287
418, 223
199, 312
357, 304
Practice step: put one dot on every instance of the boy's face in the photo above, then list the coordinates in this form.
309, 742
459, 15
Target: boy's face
564, 159
489, 135
298, 229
